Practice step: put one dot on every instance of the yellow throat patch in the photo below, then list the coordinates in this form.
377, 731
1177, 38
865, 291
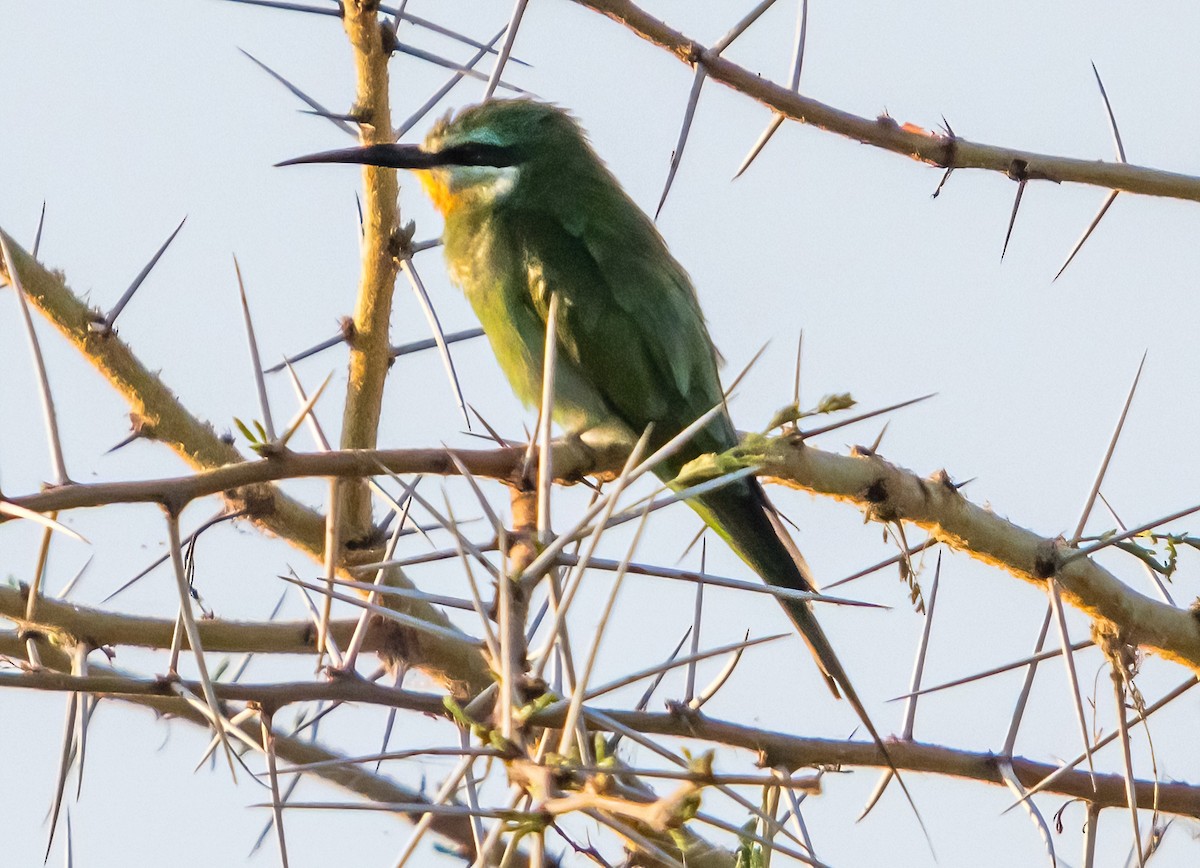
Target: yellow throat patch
435, 186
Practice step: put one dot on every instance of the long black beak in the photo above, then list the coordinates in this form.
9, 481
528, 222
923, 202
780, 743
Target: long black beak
414, 157
391, 156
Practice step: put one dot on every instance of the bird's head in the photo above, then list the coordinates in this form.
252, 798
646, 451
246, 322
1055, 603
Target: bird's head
481, 154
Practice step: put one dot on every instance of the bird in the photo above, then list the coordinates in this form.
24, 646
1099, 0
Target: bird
530, 212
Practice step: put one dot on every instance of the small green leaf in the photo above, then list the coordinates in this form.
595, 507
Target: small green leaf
245, 431
784, 416
749, 854
529, 709
463, 719
600, 748
834, 403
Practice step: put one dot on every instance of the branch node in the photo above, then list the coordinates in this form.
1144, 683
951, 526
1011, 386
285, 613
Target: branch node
24, 634
388, 42
684, 713
99, 326
400, 244
142, 426
942, 478
1047, 563
256, 501
876, 493
1194, 610
1114, 644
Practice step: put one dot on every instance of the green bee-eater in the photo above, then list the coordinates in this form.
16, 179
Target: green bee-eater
530, 210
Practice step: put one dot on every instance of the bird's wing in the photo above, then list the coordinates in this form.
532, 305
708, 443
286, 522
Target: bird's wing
628, 318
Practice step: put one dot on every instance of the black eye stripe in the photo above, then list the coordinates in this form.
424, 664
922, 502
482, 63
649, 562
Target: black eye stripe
479, 154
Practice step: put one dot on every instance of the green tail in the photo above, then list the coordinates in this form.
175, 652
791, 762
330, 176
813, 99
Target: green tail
741, 514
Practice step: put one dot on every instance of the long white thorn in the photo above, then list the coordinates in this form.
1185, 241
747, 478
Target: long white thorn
335, 654
742, 26
1127, 757
545, 423
17, 511
489, 637
1072, 676
443, 793
910, 703
572, 718
193, 636
689, 114
80, 665
260, 384
54, 441
37, 238
305, 411
428, 105
419, 624
112, 315
268, 739
333, 542
689, 692
794, 85
1090, 502
360, 629
64, 767
435, 325
674, 662
717, 683
1005, 767
514, 24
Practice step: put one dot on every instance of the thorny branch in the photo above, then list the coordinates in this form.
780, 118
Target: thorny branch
945, 151
775, 749
158, 414
370, 345
883, 490
161, 697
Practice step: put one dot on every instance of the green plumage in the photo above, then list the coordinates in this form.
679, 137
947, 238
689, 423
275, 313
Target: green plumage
532, 212
633, 346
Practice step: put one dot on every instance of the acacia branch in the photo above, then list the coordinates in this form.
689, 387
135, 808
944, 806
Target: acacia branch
884, 491
946, 151
156, 411
161, 696
159, 415
792, 752
774, 749
370, 345
571, 463
98, 628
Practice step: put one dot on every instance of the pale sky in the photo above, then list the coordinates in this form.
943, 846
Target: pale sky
123, 118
